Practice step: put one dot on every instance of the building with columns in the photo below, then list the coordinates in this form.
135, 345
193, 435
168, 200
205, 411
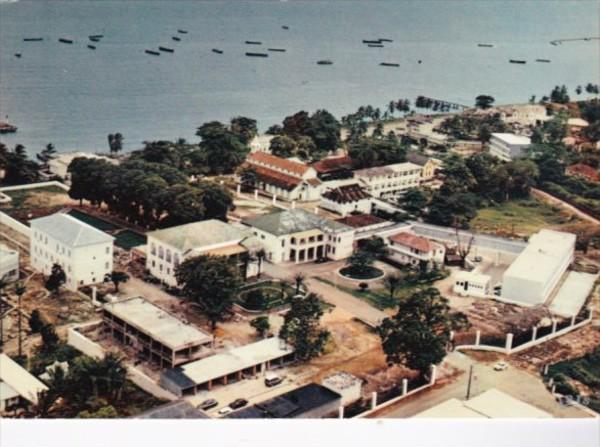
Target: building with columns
299, 236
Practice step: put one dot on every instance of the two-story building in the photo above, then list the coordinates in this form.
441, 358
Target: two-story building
84, 252
167, 248
417, 251
346, 199
286, 179
391, 181
508, 146
299, 236
429, 165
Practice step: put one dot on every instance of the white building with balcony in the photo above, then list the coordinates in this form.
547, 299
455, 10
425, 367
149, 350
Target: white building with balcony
167, 248
391, 181
508, 146
84, 252
410, 249
299, 236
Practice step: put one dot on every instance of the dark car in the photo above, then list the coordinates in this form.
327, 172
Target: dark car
238, 403
321, 260
208, 404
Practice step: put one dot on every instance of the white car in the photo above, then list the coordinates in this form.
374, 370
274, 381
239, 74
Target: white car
225, 410
500, 366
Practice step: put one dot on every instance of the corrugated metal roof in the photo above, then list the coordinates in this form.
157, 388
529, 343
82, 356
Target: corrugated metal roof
293, 221
197, 235
70, 231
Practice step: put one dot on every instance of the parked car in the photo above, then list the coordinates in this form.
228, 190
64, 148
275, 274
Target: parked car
477, 258
321, 260
225, 410
208, 404
238, 403
272, 379
500, 366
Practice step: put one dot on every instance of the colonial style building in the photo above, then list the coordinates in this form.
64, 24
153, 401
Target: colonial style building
408, 248
391, 181
508, 146
286, 179
334, 168
299, 236
84, 252
346, 199
429, 165
167, 248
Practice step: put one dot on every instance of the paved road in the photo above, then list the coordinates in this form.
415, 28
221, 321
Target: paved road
518, 383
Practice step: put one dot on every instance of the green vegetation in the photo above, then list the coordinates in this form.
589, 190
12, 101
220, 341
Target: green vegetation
261, 325
19, 168
366, 272
20, 197
522, 217
265, 295
128, 239
96, 222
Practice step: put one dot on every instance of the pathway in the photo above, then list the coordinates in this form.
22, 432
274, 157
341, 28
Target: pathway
549, 198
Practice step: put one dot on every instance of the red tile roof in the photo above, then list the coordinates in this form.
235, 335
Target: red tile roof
333, 164
313, 181
276, 178
583, 170
262, 158
346, 194
360, 220
412, 241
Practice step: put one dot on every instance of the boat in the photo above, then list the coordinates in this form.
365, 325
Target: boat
375, 45
18, 55
253, 42
517, 61
385, 40
372, 41
33, 39
215, 50
176, 39
152, 52
7, 128
94, 39
324, 62
92, 47
257, 54
182, 31
166, 49
278, 50
63, 40
420, 61
486, 45
285, 27
389, 64
96, 36
543, 60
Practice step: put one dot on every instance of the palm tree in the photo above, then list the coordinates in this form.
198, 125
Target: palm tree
392, 282
299, 280
116, 278
260, 255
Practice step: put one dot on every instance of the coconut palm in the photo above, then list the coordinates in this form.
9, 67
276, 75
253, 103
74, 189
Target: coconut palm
260, 255
116, 278
299, 280
392, 282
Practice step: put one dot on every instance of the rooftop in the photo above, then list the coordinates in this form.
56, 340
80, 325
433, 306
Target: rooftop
197, 235
327, 165
346, 194
179, 409
293, 221
157, 323
341, 380
273, 177
577, 122
361, 220
511, 138
475, 277
592, 174
293, 167
413, 241
380, 171
19, 379
573, 294
291, 404
416, 158
70, 231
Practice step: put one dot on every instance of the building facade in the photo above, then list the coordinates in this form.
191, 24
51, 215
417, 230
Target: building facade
472, 284
84, 252
508, 146
346, 199
299, 236
416, 251
391, 181
9, 264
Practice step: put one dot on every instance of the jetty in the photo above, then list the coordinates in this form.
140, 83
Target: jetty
7, 128
574, 39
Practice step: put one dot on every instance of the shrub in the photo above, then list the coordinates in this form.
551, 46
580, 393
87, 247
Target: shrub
363, 286
255, 299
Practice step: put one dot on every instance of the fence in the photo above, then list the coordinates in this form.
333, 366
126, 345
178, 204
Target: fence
511, 344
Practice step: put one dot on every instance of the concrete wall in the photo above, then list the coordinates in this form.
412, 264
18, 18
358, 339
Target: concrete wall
84, 344
14, 224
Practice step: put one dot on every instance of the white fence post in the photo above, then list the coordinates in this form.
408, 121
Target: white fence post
274, 200
573, 320
534, 335
451, 335
293, 204
509, 341
238, 190
373, 400
433, 374
256, 194
316, 210
554, 323
404, 386
341, 412
477, 337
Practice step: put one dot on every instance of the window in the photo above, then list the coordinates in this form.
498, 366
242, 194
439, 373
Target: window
107, 250
106, 266
320, 237
153, 249
176, 259
161, 253
168, 255
293, 240
283, 242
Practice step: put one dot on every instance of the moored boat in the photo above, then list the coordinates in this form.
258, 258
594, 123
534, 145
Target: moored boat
375, 45
63, 40
486, 45
33, 39
543, 60
18, 55
152, 52
166, 49
324, 62
176, 39
182, 31
385, 40
7, 128
94, 39
371, 41
517, 61
257, 54
278, 50
285, 27
96, 36
215, 50
92, 47
252, 42
389, 64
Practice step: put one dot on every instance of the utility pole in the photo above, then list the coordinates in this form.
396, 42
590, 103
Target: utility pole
20, 290
469, 384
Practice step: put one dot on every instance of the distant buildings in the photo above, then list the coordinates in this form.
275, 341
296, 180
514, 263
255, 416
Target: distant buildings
287, 179
261, 143
429, 165
532, 277
408, 248
167, 248
17, 385
508, 146
299, 236
584, 171
153, 333
309, 401
346, 199
9, 264
84, 252
391, 181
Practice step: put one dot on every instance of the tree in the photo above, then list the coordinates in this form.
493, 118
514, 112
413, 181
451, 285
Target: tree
463, 250
484, 101
417, 336
211, 282
244, 128
375, 246
56, 279
47, 154
261, 324
221, 150
414, 201
116, 278
36, 322
370, 152
19, 169
392, 282
283, 146
301, 327
20, 290
299, 280
49, 338
260, 256
115, 143
107, 412
560, 95
360, 261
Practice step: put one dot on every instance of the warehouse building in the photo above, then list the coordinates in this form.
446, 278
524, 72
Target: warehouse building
311, 401
532, 277
154, 333
227, 367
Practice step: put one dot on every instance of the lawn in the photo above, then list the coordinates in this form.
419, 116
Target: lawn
128, 239
26, 200
521, 217
273, 293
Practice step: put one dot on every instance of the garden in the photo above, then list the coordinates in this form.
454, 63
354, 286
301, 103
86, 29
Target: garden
265, 295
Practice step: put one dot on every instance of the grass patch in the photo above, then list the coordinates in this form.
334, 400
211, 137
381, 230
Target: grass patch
523, 217
95, 222
128, 239
19, 197
274, 295
367, 273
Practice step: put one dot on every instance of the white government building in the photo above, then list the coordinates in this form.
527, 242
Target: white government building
389, 181
508, 146
84, 252
532, 277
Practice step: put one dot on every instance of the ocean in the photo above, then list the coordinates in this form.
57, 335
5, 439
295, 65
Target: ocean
73, 97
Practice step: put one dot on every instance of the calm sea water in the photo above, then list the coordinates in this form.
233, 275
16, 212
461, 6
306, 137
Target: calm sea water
74, 97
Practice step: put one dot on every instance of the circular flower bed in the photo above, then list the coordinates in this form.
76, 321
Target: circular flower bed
362, 274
